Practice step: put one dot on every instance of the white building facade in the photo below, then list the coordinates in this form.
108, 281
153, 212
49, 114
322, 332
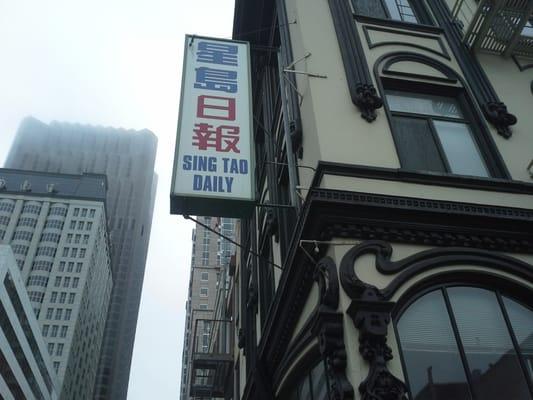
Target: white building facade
25, 366
56, 226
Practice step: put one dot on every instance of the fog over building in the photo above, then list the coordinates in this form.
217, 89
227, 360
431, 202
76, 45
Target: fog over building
56, 226
127, 158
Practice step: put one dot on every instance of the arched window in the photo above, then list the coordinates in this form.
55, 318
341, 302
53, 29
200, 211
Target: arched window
460, 342
435, 125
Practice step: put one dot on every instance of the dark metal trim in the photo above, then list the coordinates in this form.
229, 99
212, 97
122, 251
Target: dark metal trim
371, 45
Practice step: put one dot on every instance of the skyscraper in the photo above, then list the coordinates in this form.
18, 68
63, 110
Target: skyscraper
56, 226
207, 284
127, 158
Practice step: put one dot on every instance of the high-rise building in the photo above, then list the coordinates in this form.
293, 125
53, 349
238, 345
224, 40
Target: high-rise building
127, 158
57, 228
209, 276
393, 142
25, 366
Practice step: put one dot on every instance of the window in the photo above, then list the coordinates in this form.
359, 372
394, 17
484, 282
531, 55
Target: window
204, 292
68, 313
92, 212
203, 306
82, 253
59, 314
78, 267
51, 348
53, 297
85, 239
55, 328
64, 330
399, 10
57, 281
205, 276
313, 386
66, 281
432, 133
62, 297
69, 238
56, 366
77, 239
49, 313
59, 350
62, 266
89, 226
65, 251
84, 212
75, 282
72, 224
81, 224
45, 330
76, 212
70, 266
71, 298
463, 342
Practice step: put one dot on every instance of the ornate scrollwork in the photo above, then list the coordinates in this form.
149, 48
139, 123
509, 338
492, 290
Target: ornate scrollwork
368, 101
328, 327
370, 313
497, 114
326, 276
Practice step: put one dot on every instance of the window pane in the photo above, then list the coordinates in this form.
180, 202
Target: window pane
431, 356
419, 103
304, 390
416, 145
370, 8
400, 10
460, 148
522, 323
493, 363
318, 377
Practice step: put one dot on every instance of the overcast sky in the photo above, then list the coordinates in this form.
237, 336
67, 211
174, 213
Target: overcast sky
116, 63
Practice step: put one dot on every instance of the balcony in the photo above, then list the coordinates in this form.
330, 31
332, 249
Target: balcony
211, 359
501, 27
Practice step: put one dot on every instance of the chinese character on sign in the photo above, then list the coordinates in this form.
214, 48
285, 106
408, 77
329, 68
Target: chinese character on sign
216, 107
216, 79
217, 53
222, 138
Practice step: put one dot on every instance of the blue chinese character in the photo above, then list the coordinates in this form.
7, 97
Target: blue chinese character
216, 79
217, 53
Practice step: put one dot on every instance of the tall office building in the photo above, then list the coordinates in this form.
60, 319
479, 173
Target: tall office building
56, 226
25, 366
207, 285
127, 158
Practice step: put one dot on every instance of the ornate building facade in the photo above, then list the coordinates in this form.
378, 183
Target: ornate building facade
394, 257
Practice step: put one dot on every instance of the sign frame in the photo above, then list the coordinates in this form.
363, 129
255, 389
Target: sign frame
201, 204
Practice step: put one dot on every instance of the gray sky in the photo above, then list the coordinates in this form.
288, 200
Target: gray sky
116, 63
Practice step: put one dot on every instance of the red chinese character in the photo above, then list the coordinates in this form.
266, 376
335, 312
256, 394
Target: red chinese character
215, 107
223, 138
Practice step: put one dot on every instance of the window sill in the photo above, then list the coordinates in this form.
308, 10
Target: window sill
423, 177
399, 24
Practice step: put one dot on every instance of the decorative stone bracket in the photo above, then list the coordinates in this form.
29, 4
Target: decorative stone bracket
370, 313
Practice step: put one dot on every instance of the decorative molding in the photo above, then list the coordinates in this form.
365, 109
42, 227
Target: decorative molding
522, 66
450, 76
326, 276
437, 38
370, 313
432, 179
362, 90
481, 86
496, 113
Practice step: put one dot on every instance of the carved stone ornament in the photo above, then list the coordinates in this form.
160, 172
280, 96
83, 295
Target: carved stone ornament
497, 114
328, 327
368, 101
370, 313
241, 339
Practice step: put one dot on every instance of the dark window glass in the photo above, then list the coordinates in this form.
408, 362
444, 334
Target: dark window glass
432, 134
399, 10
440, 326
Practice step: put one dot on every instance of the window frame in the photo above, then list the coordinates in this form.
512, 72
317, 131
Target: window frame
471, 116
420, 11
500, 291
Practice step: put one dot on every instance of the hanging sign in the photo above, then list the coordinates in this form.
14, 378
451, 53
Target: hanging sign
213, 162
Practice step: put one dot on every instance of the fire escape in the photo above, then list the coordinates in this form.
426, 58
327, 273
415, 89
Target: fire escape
211, 358
501, 27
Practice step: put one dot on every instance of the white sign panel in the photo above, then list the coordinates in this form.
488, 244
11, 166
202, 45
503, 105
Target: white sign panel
213, 165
